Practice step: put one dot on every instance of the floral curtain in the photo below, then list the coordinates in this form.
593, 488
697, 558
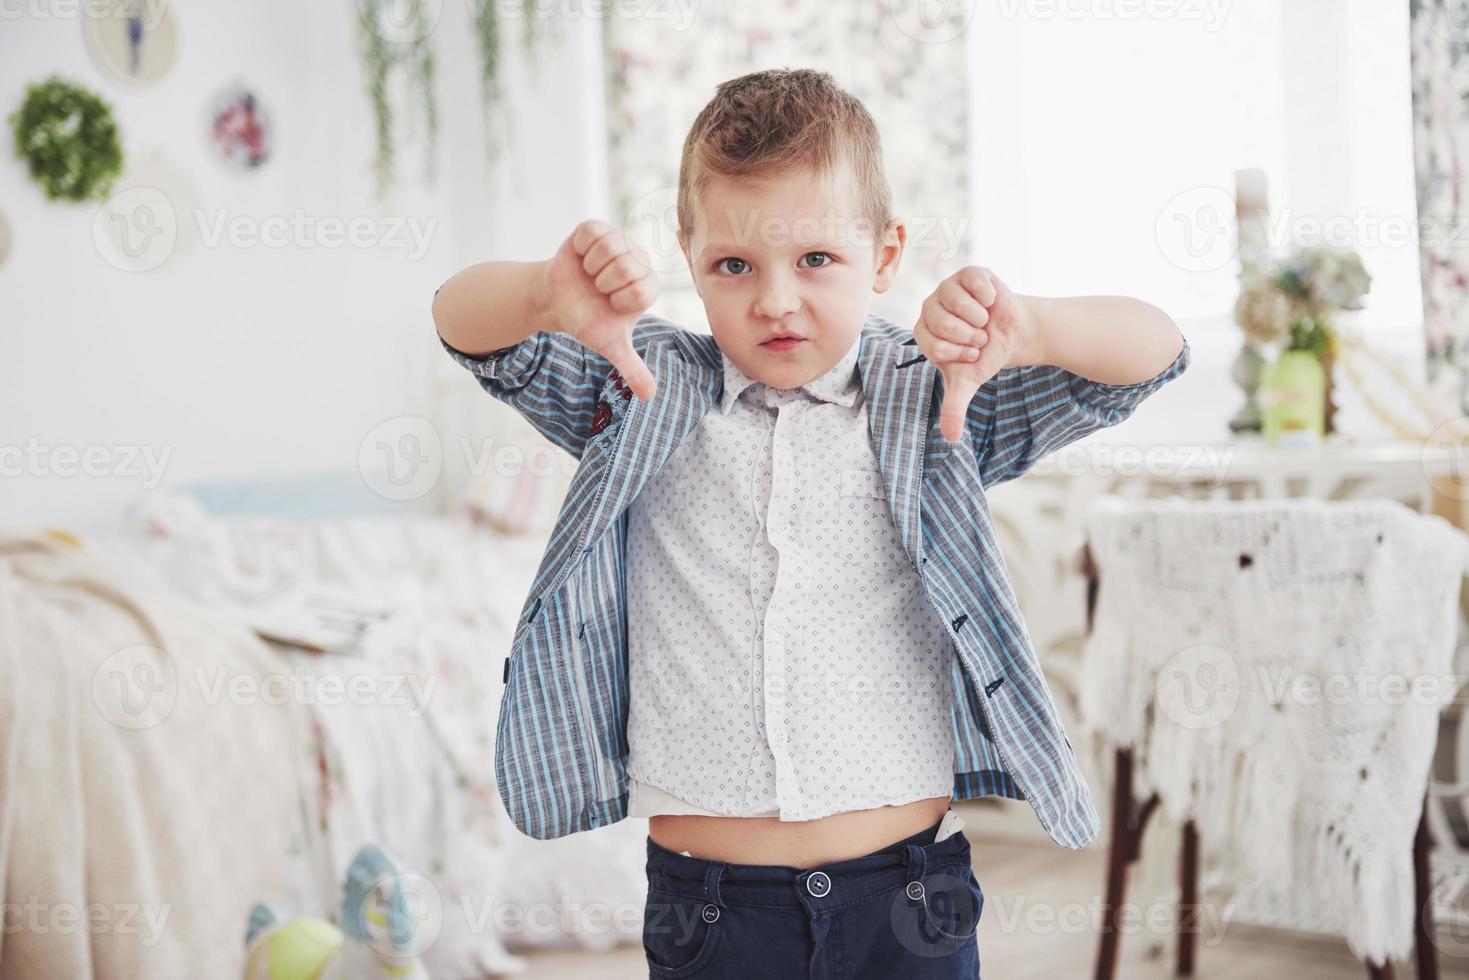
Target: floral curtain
907, 70
1440, 52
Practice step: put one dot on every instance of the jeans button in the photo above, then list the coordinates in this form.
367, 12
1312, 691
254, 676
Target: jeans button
818, 884
711, 913
915, 890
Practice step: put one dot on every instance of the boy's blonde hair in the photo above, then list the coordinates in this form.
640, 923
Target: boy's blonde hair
780, 121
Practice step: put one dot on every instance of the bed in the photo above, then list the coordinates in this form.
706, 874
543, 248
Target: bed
164, 766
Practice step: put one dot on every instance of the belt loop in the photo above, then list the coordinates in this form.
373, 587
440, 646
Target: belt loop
917, 861
711, 881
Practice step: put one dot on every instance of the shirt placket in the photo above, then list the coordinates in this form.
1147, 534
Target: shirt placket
783, 529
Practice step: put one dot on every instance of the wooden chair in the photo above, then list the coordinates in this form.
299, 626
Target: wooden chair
1129, 822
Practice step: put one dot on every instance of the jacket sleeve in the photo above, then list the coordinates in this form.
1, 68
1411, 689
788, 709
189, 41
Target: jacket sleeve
1024, 413
549, 378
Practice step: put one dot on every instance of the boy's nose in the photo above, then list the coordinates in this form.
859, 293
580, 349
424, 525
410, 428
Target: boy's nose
777, 301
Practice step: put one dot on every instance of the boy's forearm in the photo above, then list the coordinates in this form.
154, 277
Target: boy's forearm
491, 305
1115, 340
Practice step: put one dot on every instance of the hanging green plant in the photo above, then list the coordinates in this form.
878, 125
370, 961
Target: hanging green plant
492, 94
397, 34
68, 138
424, 58
487, 27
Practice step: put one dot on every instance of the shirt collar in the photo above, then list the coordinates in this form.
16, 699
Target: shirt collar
838, 385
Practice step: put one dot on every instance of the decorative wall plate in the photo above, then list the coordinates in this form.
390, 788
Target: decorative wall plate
131, 41
152, 219
239, 128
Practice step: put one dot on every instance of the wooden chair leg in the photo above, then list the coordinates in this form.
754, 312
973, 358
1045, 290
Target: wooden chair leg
1426, 952
1188, 900
1117, 852
1128, 823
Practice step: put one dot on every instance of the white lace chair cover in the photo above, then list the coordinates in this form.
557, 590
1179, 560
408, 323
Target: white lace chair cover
1278, 668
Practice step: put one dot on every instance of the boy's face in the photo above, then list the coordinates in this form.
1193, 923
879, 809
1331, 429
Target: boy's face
793, 256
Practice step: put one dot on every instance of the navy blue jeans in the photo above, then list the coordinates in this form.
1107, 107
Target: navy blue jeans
908, 910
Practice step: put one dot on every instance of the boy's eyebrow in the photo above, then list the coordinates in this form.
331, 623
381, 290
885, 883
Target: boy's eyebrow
722, 248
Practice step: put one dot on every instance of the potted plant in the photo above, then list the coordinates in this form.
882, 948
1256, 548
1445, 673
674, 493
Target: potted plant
1293, 304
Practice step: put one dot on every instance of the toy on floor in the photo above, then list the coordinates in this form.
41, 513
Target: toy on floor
379, 937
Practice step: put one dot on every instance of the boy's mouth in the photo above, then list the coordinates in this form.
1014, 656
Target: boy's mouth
782, 343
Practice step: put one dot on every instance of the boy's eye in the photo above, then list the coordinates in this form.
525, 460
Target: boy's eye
737, 267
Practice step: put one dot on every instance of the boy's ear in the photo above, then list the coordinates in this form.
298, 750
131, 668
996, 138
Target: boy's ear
889, 254
683, 246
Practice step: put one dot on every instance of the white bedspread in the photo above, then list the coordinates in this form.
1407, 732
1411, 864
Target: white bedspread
272, 799
160, 819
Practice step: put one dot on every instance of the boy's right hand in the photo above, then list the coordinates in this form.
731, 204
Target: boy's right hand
597, 285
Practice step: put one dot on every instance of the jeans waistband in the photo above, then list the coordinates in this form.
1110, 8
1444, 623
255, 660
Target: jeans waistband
783, 886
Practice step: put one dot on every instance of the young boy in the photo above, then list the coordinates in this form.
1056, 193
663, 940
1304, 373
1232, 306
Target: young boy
773, 617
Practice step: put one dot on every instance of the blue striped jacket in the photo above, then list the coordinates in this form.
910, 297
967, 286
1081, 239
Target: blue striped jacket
562, 731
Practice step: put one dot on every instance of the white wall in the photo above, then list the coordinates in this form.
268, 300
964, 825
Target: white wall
1101, 128
258, 362
261, 362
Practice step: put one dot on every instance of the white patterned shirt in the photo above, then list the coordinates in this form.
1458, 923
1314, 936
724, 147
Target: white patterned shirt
782, 656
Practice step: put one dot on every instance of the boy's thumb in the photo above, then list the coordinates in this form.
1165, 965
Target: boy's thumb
630, 365
954, 412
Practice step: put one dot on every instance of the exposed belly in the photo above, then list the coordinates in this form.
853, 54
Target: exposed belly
795, 843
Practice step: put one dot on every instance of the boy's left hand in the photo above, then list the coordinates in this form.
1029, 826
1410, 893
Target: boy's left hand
971, 326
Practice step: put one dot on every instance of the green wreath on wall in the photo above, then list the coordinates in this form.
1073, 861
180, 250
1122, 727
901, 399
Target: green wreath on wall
68, 138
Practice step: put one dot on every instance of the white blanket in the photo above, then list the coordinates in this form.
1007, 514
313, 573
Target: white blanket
1278, 668
138, 822
406, 762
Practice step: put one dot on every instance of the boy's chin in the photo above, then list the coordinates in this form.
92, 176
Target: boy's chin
784, 373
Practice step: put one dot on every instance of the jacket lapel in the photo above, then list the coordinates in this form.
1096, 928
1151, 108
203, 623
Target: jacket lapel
635, 444
898, 403
650, 432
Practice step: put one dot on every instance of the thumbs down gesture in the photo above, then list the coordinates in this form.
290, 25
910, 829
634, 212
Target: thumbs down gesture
970, 327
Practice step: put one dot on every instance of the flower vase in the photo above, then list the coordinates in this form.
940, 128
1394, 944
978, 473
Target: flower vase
1293, 399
